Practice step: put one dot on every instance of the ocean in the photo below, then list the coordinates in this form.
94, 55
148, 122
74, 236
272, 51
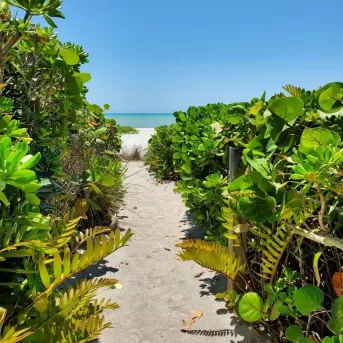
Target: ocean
142, 120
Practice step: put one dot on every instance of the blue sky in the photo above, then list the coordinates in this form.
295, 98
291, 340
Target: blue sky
163, 56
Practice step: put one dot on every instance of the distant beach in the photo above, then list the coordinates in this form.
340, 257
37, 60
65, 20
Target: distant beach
142, 120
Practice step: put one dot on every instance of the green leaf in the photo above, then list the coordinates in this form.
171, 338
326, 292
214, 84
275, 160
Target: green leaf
3, 199
275, 313
294, 333
250, 307
44, 274
288, 108
256, 209
82, 78
331, 98
50, 21
32, 198
318, 137
70, 56
315, 265
308, 298
336, 323
29, 161
107, 181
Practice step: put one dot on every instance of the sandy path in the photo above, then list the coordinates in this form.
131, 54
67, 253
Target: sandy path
159, 290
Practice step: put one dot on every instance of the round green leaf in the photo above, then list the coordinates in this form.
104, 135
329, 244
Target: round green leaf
250, 307
330, 99
256, 209
336, 323
275, 312
294, 333
70, 56
82, 77
308, 298
318, 137
288, 108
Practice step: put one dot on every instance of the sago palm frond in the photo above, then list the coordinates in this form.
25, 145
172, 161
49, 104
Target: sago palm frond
12, 336
293, 90
64, 268
211, 255
82, 237
273, 247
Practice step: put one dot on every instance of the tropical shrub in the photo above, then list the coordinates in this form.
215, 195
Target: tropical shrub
283, 208
59, 165
159, 156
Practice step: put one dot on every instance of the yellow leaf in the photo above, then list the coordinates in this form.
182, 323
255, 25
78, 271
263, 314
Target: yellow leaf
66, 262
44, 274
229, 236
42, 303
2, 85
118, 286
75, 262
57, 266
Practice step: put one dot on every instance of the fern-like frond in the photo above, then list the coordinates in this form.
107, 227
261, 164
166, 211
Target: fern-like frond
10, 335
211, 255
78, 298
64, 229
273, 247
82, 237
65, 330
66, 267
293, 90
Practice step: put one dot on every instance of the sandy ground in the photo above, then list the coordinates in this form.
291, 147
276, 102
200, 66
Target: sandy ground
136, 141
160, 290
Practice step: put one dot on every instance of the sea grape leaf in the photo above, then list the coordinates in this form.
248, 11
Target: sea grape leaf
256, 209
336, 323
294, 333
235, 114
287, 108
274, 312
308, 298
318, 137
275, 125
70, 56
82, 78
331, 99
250, 307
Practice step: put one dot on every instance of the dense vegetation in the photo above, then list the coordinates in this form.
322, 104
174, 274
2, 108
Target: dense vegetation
60, 183
283, 210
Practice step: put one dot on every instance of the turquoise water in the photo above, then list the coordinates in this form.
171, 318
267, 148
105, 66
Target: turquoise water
142, 120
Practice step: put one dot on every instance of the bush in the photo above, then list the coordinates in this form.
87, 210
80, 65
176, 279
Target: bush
284, 207
159, 156
59, 169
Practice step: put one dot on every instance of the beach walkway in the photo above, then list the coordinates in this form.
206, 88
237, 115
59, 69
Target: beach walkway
159, 291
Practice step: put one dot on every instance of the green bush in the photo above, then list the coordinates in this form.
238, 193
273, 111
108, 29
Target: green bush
286, 200
159, 156
60, 172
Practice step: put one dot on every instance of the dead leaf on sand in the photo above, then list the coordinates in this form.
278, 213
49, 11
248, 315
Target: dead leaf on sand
199, 275
194, 315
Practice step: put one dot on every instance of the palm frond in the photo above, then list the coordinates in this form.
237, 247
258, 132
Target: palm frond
82, 237
293, 90
211, 255
66, 267
273, 247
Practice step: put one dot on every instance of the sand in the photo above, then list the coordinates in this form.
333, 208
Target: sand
160, 290
139, 141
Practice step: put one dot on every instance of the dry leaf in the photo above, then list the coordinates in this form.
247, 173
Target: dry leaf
313, 339
199, 275
194, 315
337, 281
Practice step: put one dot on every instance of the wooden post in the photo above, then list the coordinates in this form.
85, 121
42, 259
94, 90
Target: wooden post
237, 249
